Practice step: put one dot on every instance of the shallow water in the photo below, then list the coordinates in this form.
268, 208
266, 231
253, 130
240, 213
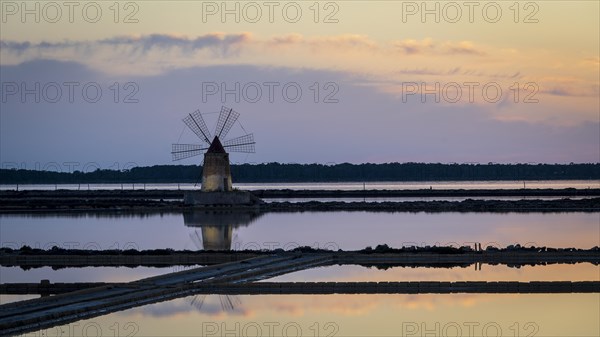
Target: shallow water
354, 315
410, 199
83, 274
410, 185
331, 230
354, 273
323, 315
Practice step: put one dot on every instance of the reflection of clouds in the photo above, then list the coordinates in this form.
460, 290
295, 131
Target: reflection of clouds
288, 308
360, 315
182, 306
431, 302
353, 306
164, 309
355, 312
297, 306
413, 302
363, 304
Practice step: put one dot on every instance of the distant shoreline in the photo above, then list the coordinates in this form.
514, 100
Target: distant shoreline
170, 200
381, 256
308, 193
303, 173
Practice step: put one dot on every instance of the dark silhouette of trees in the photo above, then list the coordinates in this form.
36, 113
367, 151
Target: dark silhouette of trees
345, 172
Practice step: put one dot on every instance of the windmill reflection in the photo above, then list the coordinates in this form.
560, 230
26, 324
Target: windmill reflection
216, 227
216, 233
228, 302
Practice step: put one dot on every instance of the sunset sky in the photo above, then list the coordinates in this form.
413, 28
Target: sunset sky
380, 81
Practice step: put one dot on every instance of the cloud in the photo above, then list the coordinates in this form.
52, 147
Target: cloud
557, 92
147, 54
437, 48
289, 39
85, 131
413, 47
155, 53
462, 47
147, 42
459, 72
344, 42
594, 62
17, 47
378, 65
572, 91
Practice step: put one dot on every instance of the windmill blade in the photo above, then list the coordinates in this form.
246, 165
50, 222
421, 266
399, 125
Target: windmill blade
196, 123
182, 151
244, 144
227, 118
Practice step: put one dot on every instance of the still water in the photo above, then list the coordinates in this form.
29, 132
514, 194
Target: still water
323, 315
355, 273
409, 185
330, 230
351, 315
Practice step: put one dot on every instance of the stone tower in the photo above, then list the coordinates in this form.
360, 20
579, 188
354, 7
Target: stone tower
216, 173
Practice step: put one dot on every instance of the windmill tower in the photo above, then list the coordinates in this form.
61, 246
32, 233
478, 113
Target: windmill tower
216, 171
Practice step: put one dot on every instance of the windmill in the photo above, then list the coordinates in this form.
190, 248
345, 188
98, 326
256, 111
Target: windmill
216, 172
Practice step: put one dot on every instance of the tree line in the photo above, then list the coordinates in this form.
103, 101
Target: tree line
276, 172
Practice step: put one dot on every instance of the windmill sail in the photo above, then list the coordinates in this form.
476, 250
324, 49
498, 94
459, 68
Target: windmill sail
196, 123
227, 118
182, 151
244, 144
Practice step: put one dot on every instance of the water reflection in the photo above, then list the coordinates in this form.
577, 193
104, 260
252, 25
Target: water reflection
368, 315
374, 185
207, 303
332, 230
216, 227
488, 272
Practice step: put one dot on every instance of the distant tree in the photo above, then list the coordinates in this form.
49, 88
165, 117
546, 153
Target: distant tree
276, 172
